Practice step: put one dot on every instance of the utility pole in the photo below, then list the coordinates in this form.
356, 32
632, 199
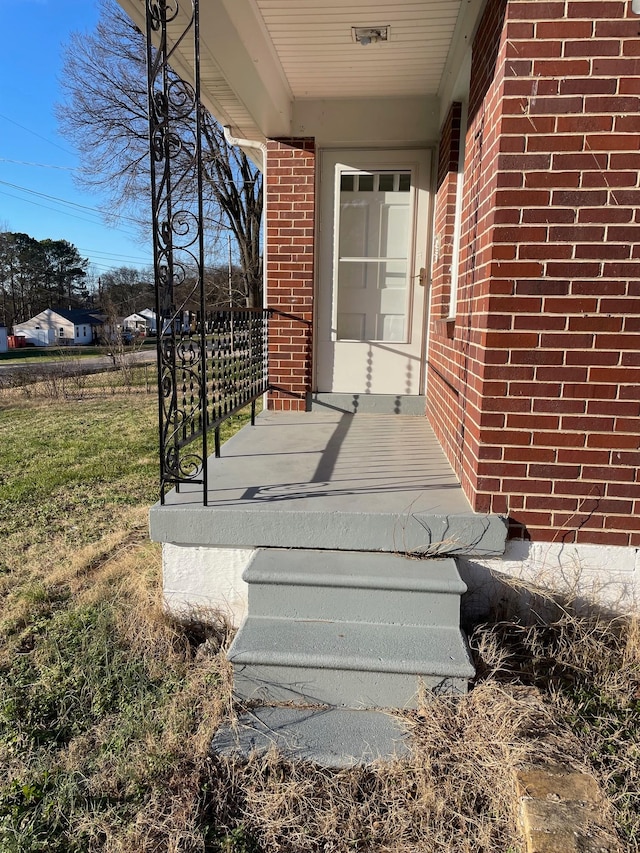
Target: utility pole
230, 297
230, 292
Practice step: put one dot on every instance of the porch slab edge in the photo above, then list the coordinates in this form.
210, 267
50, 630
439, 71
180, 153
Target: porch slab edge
421, 534
376, 404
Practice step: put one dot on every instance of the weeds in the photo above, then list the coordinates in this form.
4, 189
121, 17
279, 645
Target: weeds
586, 665
563, 690
70, 380
455, 793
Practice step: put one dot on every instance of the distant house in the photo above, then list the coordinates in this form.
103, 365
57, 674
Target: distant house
62, 326
150, 317
140, 322
180, 322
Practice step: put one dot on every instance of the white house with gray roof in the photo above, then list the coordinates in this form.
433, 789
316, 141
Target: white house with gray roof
61, 326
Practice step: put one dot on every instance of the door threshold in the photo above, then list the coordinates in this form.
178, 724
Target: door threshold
370, 404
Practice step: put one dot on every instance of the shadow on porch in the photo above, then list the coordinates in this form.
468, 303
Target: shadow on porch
330, 480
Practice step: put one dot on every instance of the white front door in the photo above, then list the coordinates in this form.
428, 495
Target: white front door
373, 244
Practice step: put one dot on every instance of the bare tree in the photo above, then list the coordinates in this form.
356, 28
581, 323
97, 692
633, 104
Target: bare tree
126, 290
104, 115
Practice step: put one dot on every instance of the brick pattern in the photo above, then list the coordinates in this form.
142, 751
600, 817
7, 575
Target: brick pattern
448, 155
455, 381
547, 338
445, 368
289, 244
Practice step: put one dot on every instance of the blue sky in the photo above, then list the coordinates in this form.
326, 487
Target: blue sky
36, 32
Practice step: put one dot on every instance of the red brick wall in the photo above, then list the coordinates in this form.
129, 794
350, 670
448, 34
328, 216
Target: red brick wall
445, 361
455, 384
448, 155
548, 326
289, 249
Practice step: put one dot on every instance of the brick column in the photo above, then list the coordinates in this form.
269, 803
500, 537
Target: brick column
289, 249
566, 293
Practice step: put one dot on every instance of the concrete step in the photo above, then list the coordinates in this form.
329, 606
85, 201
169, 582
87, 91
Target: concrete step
354, 586
350, 664
370, 404
334, 737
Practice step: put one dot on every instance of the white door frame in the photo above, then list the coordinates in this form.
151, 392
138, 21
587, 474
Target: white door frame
332, 162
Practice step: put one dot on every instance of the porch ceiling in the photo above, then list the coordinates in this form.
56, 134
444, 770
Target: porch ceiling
313, 42
259, 57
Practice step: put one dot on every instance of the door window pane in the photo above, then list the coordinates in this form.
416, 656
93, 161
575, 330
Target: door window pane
346, 183
351, 327
392, 327
365, 183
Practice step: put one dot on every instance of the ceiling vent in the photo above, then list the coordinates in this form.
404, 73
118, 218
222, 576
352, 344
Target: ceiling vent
369, 35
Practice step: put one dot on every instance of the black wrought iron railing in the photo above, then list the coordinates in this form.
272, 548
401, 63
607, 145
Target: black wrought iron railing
239, 363
210, 368
210, 363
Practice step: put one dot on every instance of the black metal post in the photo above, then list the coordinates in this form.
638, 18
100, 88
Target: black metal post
178, 240
208, 366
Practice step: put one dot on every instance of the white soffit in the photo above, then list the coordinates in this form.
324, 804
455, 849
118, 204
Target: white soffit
258, 57
313, 42
231, 86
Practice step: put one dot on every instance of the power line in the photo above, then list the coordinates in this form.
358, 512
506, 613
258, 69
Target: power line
50, 141
91, 211
74, 204
108, 263
63, 212
111, 263
54, 209
41, 165
109, 255
103, 268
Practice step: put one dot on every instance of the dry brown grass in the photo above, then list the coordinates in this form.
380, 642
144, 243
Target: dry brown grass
585, 662
456, 792
63, 381
113, 753
563, 690
145, 764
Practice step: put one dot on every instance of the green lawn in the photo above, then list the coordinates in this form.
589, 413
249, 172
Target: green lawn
100, 697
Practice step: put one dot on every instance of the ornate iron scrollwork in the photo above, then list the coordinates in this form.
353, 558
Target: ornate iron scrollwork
209, 365
178, 241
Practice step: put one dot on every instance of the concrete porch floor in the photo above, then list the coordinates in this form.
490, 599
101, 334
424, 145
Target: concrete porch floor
365, 482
